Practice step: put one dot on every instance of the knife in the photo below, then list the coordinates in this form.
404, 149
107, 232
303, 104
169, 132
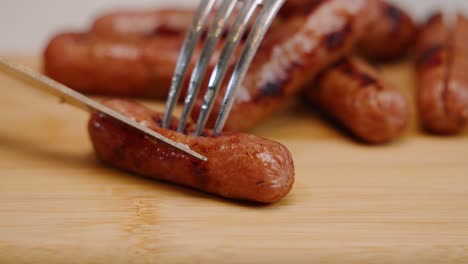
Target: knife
81, 101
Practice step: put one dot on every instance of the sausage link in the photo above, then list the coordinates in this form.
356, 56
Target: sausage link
290, 57
130, 68
442, 83
390, 36
100, 66
239, 166
353, 93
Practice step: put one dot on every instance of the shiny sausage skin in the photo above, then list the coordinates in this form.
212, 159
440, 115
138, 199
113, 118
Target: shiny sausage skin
130, 68
239, 166
353, 93
290, 57
98, 66
390, 36
442, 82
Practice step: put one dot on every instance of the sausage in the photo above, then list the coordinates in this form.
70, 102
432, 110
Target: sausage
442, 83
130, 68
239, 166
290, 56
390, 36
98, 66
354, 94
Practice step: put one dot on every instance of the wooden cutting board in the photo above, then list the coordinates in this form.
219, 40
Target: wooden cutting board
406, 202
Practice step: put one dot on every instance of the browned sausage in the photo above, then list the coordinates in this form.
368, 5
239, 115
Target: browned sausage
442, 92
291, 56
132, 68
390, 36
93, 65
239, 166
353, 93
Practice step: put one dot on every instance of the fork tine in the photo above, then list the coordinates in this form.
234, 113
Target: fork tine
190, 42
259, 30
216, 31
217, 77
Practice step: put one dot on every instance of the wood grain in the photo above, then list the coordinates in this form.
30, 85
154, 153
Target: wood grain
406, 202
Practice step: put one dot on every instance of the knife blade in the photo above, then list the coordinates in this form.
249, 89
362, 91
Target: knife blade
72, 97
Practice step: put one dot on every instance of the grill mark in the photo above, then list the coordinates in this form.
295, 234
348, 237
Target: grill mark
362, 78
272, 89
431, 56
336, 40
163, 30
275, 88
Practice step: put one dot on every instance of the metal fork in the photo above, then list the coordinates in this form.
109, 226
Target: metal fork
269, 9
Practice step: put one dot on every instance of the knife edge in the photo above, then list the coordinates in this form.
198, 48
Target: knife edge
72, 97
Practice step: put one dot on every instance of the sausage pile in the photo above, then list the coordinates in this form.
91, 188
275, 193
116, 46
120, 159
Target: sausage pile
317, 47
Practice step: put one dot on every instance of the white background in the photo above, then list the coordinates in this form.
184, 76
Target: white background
25, 25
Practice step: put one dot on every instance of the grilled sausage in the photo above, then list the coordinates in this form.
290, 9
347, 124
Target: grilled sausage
239, 166
131, 68
99, 66
390, 36
442, 82
290, 57
353, 93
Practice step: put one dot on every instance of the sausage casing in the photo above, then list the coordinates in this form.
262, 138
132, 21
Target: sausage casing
353, 93
130, 68
442, 82
239, 166
391, 34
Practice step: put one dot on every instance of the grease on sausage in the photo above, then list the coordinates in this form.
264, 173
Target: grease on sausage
131, 68
442, 82
354, 94
239, 166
